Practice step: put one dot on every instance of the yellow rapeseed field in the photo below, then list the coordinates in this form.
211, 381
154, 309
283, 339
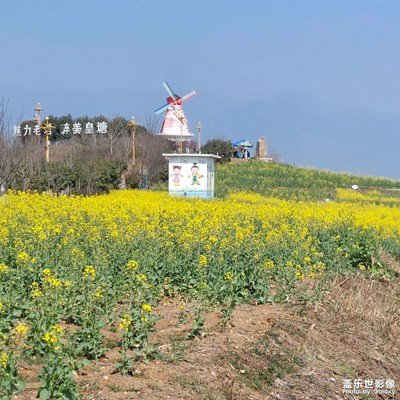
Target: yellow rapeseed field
105, 261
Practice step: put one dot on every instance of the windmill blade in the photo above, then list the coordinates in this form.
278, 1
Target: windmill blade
161, 109
187, 96
168, 89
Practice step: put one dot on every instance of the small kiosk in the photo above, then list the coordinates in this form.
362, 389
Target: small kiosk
191, 175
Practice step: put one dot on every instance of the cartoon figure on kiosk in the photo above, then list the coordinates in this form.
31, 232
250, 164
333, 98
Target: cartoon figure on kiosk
176, 175
195, 174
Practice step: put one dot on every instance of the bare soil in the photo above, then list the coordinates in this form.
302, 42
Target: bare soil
268, 351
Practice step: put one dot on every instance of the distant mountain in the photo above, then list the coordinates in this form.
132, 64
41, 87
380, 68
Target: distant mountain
309, 132
302, 129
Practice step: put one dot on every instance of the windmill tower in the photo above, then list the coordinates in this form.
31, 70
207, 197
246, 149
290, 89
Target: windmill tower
175, 125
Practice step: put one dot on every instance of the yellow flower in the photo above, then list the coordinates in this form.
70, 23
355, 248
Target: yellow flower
42, 236
36, 293
89, 272
299, 274
213, 239
3, 267
23, 257
202, 260
75, 252
50, 338
269, 264
47, 272
57, 328
35, 290
132, 264
228, 276
141, 278
1, 307
146, 307
125, 322
53, 281
21, 330
4, 360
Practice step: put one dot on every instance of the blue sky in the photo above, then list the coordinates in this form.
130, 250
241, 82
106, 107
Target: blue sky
341, 51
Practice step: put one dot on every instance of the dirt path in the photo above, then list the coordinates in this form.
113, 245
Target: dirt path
270, 351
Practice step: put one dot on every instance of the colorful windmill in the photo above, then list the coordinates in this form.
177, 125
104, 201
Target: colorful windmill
175, 123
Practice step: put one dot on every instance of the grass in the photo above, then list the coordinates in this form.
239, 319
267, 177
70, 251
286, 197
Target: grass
346, 369
116, 388
291, 183
178, 349
267, 361
196, 385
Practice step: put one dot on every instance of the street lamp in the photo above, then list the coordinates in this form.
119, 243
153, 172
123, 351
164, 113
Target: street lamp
199, 127
182, 120
134, 125
38, 110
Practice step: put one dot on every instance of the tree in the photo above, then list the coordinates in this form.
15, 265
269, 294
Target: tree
12, 153
5, 148
219, 147
150, 163
84, 159
153, 124
117, 129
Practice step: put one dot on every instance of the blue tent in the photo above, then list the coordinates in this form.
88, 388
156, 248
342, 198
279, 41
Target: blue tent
243, 143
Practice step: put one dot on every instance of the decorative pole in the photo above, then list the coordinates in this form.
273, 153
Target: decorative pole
47, 127
134, 125
181, 118
199, 127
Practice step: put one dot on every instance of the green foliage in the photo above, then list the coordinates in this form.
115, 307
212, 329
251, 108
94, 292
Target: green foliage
89, 341
198, 324
107, 174
91, 264
98, 176
57, 379
289, 182
219, 147
60, 177
86, 163
10, 380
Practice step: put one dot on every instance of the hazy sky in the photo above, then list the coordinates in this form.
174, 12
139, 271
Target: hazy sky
342, 51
